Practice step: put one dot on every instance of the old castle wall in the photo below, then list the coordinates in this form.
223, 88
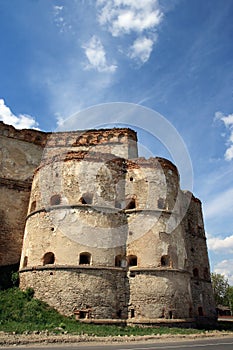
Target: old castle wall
20, 154
108, 234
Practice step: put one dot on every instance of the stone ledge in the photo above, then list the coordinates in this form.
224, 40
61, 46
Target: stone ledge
70, 267
100, 209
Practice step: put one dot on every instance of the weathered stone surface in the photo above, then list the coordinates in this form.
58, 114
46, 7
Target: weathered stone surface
107, 235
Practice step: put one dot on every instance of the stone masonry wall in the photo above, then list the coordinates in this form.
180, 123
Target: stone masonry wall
102, 293
20, 154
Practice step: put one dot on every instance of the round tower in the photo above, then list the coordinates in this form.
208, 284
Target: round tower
73, 235
158, 277
107, 236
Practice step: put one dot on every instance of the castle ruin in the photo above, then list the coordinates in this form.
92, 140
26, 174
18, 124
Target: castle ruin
102, 233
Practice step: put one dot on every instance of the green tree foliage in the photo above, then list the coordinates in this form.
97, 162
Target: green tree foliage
220, 287
230, 297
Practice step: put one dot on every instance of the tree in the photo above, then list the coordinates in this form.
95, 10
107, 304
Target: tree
220, 288
230, 298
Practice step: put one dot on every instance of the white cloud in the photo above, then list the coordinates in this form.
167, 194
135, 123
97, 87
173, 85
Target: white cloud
225, 268
221, 205
141, 49
228, 122
229, 151
22, 121
96, 56
221, 244
123, 17
126, 16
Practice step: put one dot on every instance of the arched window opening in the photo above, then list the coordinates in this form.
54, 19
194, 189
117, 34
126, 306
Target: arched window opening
33, 206
195, 272
55, 199
84, 258
132, 313
99, 138
49, 258
110, 137
132, 260
165, 260
121, 137
89, 139
170, 314
86, 198
131, 204
118, 260
200, 311
25, 261
38, 139
161, 203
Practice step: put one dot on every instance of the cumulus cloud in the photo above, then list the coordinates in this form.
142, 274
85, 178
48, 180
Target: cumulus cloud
228, 122
219, 244
22, 121
220, 204
141, 18
141, 49
96, 56
225, 267
126, 16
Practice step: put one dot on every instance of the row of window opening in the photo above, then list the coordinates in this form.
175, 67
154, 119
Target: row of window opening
85, 258
87, 198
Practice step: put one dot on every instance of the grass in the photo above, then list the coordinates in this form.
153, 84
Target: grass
20, 312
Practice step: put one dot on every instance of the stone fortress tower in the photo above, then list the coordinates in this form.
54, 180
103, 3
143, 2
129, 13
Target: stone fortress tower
109, 235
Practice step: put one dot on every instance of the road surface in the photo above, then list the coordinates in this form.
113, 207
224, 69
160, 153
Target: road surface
204, 344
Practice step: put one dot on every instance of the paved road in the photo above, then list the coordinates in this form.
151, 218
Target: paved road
204, 344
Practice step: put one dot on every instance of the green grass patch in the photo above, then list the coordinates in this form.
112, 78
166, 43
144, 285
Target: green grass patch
20, 312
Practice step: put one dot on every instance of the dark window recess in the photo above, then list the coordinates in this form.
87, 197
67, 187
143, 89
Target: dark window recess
200, 311
33, 206
89, 139
84, 259
165, 260
118, 261
161, 203
118, 204
110, 137
49, 258
99, 138
25, 261
132, 313
86, 198
131, 204
132, 260
131, 178
195, 272
121, 137
170, 314
55, 199
82, 314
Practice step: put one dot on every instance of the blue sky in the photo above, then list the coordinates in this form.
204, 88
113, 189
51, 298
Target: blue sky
173, 56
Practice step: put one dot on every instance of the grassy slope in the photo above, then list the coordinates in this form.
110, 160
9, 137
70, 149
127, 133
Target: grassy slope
20, 312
